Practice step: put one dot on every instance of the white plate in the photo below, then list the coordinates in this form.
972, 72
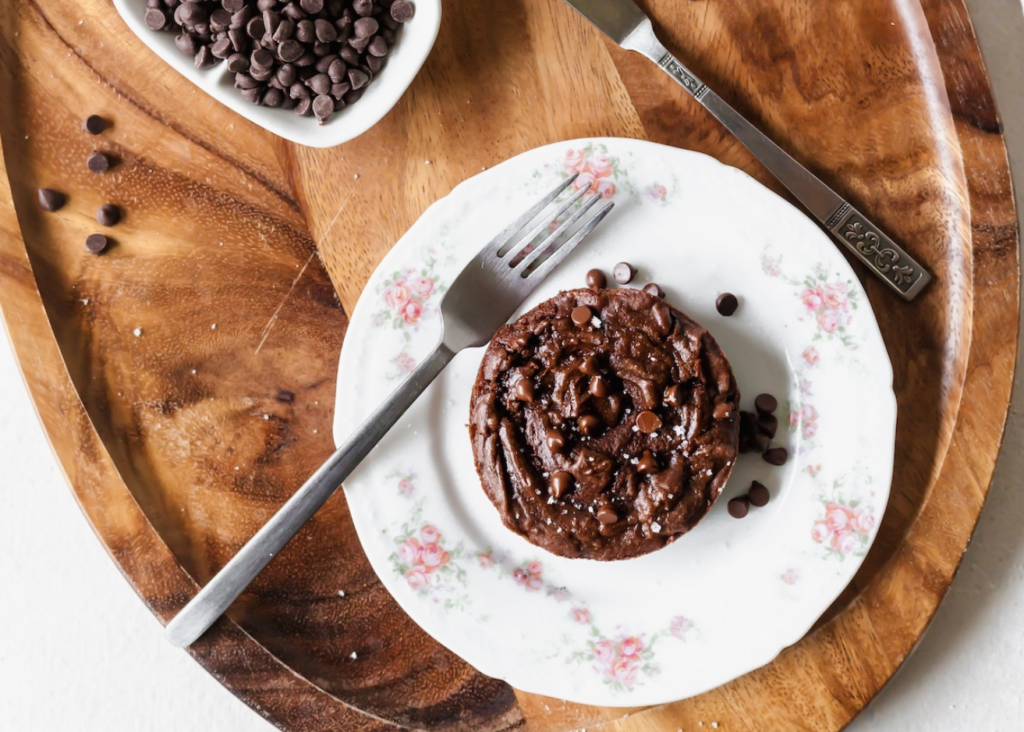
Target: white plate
725, 598
404, 61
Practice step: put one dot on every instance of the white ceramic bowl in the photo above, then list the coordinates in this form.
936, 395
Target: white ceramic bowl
403, 63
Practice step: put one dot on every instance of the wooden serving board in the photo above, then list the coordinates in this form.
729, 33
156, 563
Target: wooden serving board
179, 442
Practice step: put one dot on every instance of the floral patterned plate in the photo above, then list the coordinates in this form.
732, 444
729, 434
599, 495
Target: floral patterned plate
730, 595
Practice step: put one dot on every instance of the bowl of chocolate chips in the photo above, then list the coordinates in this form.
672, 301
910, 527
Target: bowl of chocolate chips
315, 72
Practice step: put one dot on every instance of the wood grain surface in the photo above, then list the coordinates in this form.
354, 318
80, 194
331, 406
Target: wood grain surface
186, 377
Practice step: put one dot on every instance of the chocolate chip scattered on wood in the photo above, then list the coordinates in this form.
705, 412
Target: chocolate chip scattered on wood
314, 57
727, 304
98, 162
108, 214
51, 200
94, 124
97, 243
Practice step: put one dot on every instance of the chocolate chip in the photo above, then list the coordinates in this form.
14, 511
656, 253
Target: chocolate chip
581, 315
596, 280
606, 515
96, 243
748, 429
108, 214
727, 304
377, 50
312, 6
652, 289
648, 463
323, 107
363, 7
758, 494
739, 507
675, 395
590, 425
320, 84
768, 424
402, 11
561, 483
624, 272
524, 390
98, 162
155, 19
598, 387
776, 456
590, 366
648, 422
51, 200
766, 403
94, 124
365, 27
358, 79
722, 410
761, 442
555, 441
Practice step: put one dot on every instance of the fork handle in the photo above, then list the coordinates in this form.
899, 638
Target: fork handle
867, 242
214, 599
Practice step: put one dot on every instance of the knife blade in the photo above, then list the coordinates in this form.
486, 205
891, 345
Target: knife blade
626, 24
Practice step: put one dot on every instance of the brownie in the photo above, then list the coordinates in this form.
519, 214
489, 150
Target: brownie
604, 423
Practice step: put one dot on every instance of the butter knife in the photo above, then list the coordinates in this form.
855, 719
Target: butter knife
627, 25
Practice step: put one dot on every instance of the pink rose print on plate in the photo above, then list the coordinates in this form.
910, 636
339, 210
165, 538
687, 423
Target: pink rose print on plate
623, 661
657, 192
410, 551
418, 578
604, 651
406, 297
422, 286
790, 576
411, 312
823, 299
525, 578
623, 670
631, 647
770, 266
813, 299
806, 418
845, 526
679, 626
811, 356
397, 295
597, 170
420, 556
486, 560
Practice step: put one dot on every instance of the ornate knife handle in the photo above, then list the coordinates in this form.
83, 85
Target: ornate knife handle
876, 250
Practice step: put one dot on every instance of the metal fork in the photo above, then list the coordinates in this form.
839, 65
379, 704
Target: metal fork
483, 297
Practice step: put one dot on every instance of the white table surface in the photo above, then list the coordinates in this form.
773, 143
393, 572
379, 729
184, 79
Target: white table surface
79, 651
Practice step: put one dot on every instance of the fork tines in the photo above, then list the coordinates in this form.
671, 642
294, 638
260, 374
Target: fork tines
545, 255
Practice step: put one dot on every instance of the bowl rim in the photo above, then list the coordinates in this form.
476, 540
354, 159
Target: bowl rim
409, 55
